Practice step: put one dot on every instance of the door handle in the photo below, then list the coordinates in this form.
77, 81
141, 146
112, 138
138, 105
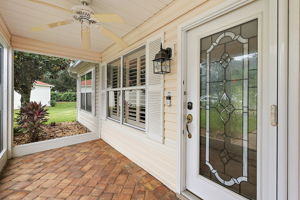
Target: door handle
189, 119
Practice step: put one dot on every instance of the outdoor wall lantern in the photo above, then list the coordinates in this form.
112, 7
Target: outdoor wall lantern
162, 61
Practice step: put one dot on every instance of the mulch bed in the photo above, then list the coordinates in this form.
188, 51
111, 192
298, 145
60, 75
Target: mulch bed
54, 131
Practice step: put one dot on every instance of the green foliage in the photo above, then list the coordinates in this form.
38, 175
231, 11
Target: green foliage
52, 103
62, 112
63, 82
30, 67
17, 131
31, 118
63, 96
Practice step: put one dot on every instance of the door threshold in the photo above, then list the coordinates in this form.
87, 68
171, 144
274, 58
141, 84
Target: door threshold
187, 195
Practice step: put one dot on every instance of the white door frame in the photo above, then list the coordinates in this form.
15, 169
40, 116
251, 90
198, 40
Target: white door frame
293, 101
215, 12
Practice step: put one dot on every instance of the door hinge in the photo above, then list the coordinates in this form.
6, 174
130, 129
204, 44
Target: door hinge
274, 115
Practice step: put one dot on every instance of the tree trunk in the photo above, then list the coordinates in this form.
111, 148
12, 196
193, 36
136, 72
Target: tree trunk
25, 98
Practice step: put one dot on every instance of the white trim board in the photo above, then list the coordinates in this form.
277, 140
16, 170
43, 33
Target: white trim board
293, 101
3, 159
26, 149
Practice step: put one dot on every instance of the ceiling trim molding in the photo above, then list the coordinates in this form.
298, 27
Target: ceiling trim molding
51, 49
4, 32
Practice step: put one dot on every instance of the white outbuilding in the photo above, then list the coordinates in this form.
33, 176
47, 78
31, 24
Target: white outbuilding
41, 92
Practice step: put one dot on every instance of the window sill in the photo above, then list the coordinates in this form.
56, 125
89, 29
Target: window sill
135, 127
129, 126
86, 112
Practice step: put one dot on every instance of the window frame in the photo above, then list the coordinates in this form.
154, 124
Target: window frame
122, 89
92, 70
7, 89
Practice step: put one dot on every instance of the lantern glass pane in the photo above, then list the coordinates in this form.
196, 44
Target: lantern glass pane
157, 67
166, 66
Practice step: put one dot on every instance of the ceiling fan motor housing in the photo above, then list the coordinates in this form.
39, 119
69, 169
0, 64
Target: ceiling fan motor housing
83, 13
85, 2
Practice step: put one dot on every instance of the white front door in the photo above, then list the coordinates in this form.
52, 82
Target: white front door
229, 83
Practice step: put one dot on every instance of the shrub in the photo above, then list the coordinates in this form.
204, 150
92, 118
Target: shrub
52, 103
63, 96
31, 118
54, 96
17, 131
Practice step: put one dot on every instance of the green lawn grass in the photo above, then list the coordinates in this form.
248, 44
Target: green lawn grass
62, 112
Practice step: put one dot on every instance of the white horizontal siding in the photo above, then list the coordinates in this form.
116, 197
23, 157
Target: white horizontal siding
88, 120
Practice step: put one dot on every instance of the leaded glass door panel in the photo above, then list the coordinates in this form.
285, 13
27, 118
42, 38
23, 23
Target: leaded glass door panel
224, 70
228, 74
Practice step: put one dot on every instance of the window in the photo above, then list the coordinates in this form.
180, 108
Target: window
127, 97
113, 74
86, 91
135, 107
114, 90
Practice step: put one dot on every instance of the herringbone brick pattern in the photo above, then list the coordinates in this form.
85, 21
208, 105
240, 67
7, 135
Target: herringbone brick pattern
92, 170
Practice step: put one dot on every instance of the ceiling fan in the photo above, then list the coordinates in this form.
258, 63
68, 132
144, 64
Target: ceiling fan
85, 15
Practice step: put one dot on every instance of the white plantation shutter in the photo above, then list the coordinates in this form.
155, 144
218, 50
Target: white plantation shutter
155, 91
103, 107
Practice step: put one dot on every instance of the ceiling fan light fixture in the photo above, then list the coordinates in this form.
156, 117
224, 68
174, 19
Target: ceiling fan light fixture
85, 16
85, 34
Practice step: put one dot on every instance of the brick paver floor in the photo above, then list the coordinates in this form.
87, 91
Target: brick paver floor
91, 170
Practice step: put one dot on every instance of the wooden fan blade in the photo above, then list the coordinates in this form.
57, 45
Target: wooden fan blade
86, 38
52, 25
113, 37
51, 5
109, 18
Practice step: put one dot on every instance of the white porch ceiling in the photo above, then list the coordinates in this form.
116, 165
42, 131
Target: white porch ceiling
21, 15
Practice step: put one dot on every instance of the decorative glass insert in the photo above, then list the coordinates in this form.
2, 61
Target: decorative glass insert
228, 108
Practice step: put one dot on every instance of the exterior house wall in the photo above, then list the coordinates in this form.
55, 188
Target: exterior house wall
41, 94
89, 119
158, 159
17, 100
38, 93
